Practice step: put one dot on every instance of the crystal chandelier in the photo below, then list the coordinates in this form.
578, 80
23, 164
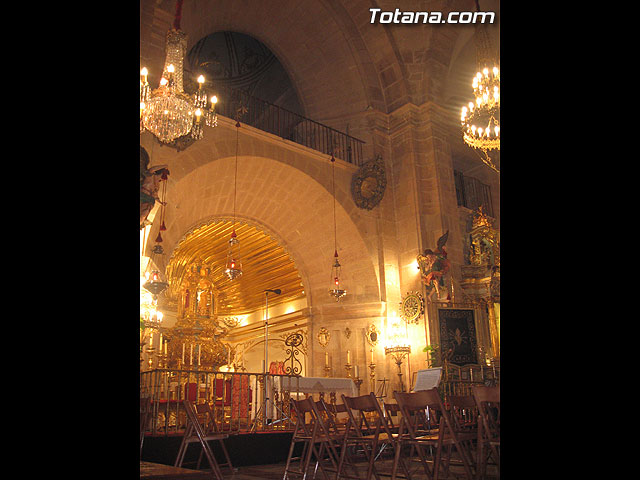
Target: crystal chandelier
233, 266
335, 290
173, 116
480, 119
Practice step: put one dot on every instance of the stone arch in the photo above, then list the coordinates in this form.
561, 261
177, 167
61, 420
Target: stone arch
279, 198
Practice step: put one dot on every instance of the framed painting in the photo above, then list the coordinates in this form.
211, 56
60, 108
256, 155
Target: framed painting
457, 330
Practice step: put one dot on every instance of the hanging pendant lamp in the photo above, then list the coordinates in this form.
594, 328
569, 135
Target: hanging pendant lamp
335, 290
233, 268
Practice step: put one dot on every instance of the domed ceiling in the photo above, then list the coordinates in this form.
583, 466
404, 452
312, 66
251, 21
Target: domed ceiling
231, 60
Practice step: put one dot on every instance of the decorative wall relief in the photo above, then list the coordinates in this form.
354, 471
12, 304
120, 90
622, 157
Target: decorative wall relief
369, 183
323, 337
412, 307
372, 335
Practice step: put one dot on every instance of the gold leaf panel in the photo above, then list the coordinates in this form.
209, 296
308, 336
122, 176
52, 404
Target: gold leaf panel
265, 264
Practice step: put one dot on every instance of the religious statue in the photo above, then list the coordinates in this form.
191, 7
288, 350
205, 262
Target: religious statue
484, 247
434, 265
150, 179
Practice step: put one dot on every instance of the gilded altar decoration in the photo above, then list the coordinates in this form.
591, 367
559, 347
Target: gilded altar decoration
485, 241
231, 322
324, 336
369, 183
434, 267
372, 336
412, 307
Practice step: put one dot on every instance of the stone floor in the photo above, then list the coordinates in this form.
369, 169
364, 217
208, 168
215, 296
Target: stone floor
276, 472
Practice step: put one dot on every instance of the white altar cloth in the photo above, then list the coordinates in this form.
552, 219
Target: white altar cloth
320, 384
427, 379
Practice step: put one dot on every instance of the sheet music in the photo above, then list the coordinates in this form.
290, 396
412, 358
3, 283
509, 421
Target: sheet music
427, 379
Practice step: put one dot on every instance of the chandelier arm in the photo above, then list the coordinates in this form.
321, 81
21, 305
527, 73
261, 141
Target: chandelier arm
487, 160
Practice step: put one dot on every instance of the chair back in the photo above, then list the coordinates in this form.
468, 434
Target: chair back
487, 400
206, 418
315, 426
392, 410
421, 411
464, 412
369, 419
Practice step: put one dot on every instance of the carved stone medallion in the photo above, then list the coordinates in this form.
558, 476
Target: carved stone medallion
369, 183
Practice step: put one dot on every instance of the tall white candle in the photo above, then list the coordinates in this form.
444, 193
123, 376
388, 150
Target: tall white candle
191, 355
326, 359
150, 340
372, 355
355, 369
183, 354
199, 350
349, 357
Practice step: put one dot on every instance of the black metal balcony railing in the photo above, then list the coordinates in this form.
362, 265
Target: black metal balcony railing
288, 125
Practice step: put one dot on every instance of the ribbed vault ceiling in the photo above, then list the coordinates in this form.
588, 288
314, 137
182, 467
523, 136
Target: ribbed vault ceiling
265, 263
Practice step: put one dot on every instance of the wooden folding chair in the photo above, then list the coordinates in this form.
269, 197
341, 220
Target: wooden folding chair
372, 435
316, 439
420, 411
464, 412
392, 410
488, 402
145, 413
329, 413
196, 433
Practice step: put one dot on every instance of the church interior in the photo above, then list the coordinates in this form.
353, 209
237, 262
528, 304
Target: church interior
319, 206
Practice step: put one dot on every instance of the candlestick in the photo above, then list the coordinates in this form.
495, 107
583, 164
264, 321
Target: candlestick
372, 376
348, 369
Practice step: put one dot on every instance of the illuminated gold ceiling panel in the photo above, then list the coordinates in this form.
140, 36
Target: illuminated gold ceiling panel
265, 265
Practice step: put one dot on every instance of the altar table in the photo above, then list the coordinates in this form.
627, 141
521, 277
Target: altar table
319, 384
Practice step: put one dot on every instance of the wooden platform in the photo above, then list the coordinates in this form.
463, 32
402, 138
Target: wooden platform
157, 471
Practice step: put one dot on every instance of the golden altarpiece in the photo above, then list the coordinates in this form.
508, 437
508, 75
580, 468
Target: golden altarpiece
463, 318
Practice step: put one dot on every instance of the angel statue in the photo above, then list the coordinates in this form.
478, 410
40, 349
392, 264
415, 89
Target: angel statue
150, 179
434, 265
